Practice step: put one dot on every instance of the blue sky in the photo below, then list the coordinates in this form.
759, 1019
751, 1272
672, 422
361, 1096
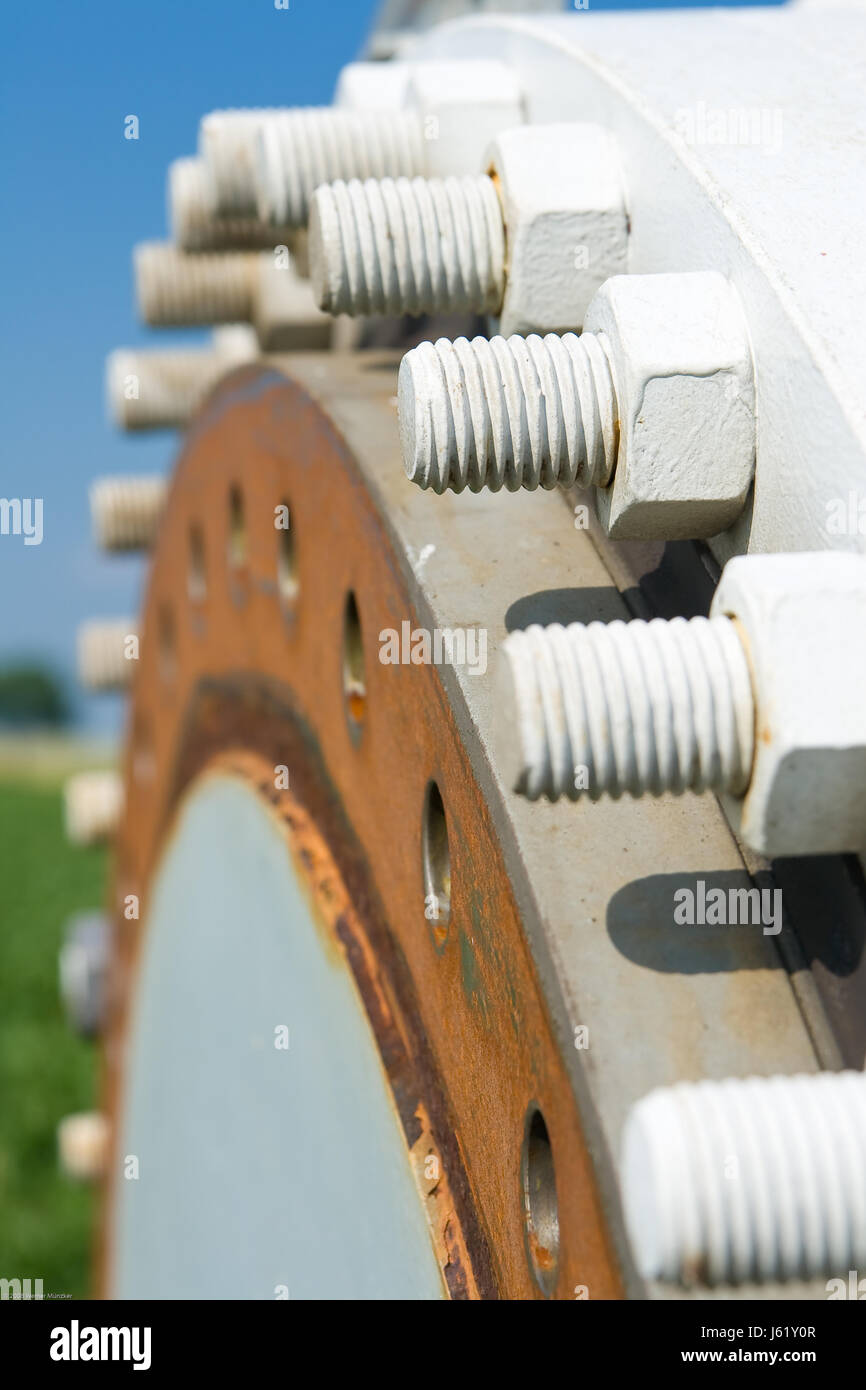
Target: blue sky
78, 195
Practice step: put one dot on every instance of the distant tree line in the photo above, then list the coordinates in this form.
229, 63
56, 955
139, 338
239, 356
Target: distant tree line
31, 695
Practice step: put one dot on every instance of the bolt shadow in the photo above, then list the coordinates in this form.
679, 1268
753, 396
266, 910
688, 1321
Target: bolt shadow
820, 901
564, 606
405, 332
822, 910
679, 582
660, 922
825, 897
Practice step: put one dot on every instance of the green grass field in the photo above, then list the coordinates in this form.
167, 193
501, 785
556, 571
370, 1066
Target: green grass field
46, 1222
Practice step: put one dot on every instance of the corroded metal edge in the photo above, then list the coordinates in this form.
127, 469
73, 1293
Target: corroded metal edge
477, 1002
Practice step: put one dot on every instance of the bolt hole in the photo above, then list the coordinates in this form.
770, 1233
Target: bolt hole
437, 865
540, 1205
237, 530
287, 563
196, 581
354, 683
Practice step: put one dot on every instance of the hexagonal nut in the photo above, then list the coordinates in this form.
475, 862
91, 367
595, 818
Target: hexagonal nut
565, 219
366, 86
463, 104
681, 360
803, 620
235, 343
287, 318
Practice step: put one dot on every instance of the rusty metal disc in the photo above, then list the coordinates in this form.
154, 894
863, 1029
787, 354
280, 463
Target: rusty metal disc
260, 651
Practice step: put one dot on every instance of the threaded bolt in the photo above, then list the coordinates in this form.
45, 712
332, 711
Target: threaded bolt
83, 969
763, 1178
196, 227
625, 707
228, 143
300, 149
93, 803
161, 390
178, 289
514, 413
82, 1145
103, 660
408, 246
157, 390
126, 511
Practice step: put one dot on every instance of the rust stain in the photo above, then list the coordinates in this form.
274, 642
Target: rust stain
470, 975
460, 1021
544, 1258
356, 701
440, 932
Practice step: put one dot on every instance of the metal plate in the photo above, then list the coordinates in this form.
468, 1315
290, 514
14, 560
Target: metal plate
247, 672
270, 1158
576, 931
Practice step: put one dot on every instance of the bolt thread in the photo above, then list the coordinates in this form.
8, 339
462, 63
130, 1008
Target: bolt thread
748, 1179
161, 390
408, 246
176, 289
508, 412
93, 802
103, 663
300, 149
196, 227
228, 142
126, 511
158, 390
638, 707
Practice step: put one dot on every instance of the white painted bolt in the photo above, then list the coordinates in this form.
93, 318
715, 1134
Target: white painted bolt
765, 1178
369, 86
175, 288
404, 245
653, 406
392, 120
149, 389
514, 413
82, 1143
625, 707
228, 143
83, 970
106, 654
762, 700
407, 246
125, 511
194, 223
300, 149
93, 803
